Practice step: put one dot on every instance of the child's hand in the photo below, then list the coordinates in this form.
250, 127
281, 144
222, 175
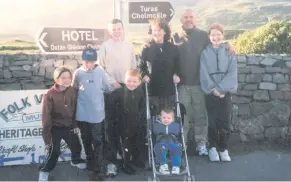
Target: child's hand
163, 147
116, 85
231, 49
76, 130
47, 148
147, 43
176, 79
215, 92
146, 79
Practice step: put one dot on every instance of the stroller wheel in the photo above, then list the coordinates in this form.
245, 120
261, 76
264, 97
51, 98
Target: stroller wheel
189, 178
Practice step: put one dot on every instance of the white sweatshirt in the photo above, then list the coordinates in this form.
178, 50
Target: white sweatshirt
116, 58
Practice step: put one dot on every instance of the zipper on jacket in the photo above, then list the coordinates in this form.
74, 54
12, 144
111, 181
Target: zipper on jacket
167, 129
65, 103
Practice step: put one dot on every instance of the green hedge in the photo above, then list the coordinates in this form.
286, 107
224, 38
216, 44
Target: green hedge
272, 38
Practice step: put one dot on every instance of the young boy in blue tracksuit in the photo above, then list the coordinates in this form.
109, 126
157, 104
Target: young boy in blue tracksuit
167, 134
91, 83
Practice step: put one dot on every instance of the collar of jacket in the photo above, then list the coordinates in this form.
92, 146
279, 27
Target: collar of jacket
96, 65
57, 89
189, 31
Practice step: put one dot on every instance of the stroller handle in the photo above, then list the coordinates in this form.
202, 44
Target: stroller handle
177, 101
147, 102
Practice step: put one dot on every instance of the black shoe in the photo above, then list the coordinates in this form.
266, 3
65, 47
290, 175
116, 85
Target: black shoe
96, 176
139, 164
90, 164
129, 168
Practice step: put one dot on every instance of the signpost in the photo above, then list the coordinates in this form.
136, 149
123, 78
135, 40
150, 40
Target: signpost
142, 12
68, 40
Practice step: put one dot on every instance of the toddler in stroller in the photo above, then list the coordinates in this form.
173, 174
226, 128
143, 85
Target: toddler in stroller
167, 134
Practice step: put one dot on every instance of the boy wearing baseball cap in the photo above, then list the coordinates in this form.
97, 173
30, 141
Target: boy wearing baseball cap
91, 83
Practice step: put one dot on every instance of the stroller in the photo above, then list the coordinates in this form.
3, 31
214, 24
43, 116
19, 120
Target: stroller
184, 164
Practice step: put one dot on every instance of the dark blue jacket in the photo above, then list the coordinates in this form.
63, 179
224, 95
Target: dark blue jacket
170, 133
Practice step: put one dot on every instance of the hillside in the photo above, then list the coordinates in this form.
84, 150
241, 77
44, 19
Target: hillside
242, 14
236, 15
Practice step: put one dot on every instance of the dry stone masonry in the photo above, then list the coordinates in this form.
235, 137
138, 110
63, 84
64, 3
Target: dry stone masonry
261, 105
25, 72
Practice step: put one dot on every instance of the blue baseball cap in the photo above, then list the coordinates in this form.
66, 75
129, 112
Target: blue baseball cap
89, 54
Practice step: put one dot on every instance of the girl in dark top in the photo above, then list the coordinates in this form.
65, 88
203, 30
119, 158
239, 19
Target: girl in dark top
58, 121
160, 65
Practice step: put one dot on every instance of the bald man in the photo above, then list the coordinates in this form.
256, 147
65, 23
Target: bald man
191, 42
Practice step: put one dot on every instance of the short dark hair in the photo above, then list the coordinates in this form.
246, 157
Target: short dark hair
116, 21
168, 110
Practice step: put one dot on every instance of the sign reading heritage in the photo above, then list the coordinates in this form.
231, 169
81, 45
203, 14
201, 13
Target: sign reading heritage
21, 128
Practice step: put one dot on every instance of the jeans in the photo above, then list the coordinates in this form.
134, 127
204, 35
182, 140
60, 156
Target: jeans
161, 154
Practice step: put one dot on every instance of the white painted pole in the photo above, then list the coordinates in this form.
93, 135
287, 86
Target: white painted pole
114, 8
121, 7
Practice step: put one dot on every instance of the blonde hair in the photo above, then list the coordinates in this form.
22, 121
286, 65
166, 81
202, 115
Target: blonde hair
59, 71
134, 73
216, 26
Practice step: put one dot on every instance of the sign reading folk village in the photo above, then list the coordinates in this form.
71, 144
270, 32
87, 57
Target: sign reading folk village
142, 12
54, 40
21, 129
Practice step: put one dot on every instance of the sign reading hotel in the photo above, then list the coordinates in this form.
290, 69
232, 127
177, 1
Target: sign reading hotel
21, 128
68, 40
142, 12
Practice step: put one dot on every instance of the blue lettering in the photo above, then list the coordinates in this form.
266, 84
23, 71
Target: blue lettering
4, 159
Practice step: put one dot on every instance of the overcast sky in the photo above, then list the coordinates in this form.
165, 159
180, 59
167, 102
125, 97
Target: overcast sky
29, 16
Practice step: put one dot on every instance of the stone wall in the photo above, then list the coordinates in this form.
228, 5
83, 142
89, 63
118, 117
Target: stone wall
25, 72
262, 79
263, 97
264, 85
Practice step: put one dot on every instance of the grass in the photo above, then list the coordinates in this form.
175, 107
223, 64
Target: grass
16, 46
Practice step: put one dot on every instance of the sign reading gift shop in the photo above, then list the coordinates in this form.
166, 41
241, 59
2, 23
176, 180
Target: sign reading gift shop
21, 128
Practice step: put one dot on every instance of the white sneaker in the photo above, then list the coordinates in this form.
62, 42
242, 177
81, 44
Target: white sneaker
202, 150
111, 170
79, 165
175, 170
224, 156
213, 155
43, 176
164, 169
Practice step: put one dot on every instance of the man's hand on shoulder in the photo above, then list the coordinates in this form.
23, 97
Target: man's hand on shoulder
231, 49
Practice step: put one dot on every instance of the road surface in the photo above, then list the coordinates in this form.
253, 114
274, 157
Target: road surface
250, 162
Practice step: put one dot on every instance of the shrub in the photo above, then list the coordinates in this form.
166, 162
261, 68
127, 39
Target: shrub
272, 38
